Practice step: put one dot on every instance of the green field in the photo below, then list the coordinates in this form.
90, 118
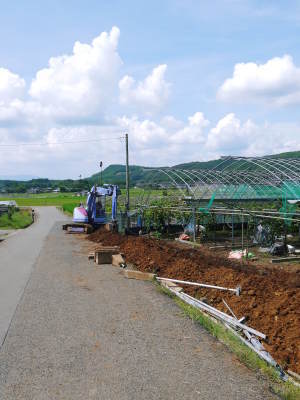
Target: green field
18, 220
60, 199
67, 201
45, 199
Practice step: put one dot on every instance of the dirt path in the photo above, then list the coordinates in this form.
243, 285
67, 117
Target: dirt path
18, 254
83, 331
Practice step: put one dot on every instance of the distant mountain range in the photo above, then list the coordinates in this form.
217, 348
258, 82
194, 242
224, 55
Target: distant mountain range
114, 174
139, 175
17, 177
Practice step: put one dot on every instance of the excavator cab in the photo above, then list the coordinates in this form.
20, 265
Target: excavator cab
94, 211
100, 216
100, 206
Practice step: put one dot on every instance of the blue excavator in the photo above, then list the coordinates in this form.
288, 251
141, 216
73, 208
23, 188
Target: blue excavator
93, 214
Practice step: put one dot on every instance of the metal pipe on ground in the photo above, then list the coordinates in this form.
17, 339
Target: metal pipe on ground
237, 290
255, 345
260, 353
216, 313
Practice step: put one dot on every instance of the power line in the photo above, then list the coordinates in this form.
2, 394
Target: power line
59, 143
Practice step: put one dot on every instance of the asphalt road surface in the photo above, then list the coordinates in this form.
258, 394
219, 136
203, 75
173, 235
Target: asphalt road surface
18, 254
83, 331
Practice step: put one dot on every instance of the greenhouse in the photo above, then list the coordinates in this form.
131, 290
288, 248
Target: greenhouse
237, 178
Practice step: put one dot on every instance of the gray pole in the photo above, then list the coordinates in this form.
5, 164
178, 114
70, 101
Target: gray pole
194, 223
243, 232
127, 179
232, 229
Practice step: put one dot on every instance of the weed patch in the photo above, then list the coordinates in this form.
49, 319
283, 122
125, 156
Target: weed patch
18, 220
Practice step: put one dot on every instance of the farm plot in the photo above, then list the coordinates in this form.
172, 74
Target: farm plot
270, 298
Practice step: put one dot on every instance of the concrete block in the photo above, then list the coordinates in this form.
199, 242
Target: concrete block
103, 257
285, 259
104, 254
114, 249
109, 226
143, 276
117, 260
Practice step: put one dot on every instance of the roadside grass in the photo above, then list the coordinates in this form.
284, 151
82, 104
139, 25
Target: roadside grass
69, 207
19, 220
286, 390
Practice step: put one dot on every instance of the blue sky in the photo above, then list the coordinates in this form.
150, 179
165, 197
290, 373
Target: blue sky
199, 42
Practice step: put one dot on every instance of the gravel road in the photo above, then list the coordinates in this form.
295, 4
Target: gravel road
83, 331
18, 253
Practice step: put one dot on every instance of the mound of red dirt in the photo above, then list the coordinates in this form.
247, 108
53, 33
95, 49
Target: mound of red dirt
270, 298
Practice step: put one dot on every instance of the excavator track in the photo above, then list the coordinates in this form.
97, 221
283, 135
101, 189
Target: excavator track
78, 228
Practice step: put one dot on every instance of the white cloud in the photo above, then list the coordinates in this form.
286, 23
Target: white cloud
149, 95
193, 132
155, 144
171, 124
145, 133
276, 82
82, 83
150, 143
75, 88
66, 98
11, 86
230, 134
273, 138
149, 134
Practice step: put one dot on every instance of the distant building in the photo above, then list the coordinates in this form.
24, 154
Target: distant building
82, 193
33, 190
5, 205
8, 203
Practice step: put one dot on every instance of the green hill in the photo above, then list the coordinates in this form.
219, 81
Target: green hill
116, 174
142, 175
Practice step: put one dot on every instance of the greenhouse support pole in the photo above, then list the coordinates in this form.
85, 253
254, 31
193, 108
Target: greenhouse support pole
242, 236
194, 224
232, 229
215, 227
242, 232
247, 248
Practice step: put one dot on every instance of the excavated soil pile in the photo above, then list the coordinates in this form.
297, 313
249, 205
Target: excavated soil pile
270, 299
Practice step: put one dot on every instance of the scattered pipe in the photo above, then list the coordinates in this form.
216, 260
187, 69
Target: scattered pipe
216, 313
255, 345
237, 290
262, 353
231, 323
294, 374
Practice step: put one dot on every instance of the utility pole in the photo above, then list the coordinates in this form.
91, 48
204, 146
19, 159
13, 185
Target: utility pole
127, 180
100, 164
